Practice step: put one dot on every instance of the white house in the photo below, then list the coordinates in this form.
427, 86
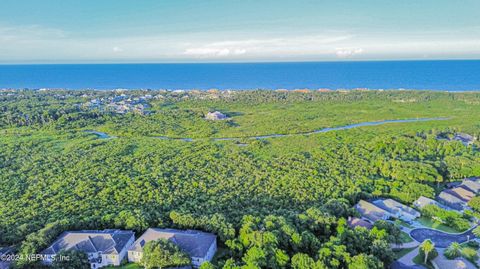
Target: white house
398, 210
200, 246
104, 248
216, 115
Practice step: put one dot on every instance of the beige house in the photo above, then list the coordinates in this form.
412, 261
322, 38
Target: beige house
456, 198
371, 211
200, 246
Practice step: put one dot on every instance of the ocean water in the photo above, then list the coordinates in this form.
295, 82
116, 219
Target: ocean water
461, 75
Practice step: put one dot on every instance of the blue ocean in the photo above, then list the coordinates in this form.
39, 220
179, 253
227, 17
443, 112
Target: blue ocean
458, 75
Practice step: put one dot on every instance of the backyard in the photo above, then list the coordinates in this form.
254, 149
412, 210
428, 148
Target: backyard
428, 222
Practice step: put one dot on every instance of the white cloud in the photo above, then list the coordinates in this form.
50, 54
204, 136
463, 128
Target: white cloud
267, 47
347, 52
29, 33
117, 49
41, 44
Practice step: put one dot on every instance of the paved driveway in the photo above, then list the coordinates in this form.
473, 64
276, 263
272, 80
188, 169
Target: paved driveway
441, 239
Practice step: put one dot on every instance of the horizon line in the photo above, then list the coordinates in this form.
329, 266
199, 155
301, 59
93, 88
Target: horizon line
237, 62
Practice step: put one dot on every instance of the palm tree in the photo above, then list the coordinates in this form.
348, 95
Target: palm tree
427, 246
454, 250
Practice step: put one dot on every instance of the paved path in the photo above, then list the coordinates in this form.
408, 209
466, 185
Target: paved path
459, 263
441, 239
405, 245
408, 258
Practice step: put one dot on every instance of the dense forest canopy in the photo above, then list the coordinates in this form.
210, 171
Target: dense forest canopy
52, 171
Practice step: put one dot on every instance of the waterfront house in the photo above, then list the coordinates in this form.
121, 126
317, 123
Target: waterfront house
356, 222
104, 248
200, 246
371, 212
456, 198
397, 210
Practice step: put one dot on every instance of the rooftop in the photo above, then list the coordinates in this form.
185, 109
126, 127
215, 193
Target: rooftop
89, 241
370, 211
471, 185
394, 206
195, 243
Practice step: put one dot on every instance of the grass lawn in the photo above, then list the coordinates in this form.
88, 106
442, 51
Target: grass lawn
403, 223
466, 244
402, 252
405, 238
427, 222
418, 260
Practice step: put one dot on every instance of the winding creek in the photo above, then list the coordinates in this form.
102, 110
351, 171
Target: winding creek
323, 130
100, 135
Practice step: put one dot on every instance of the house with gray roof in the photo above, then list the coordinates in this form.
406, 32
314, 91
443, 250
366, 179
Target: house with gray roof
104, 248
456, 198
397, 210
200, 246
371, 212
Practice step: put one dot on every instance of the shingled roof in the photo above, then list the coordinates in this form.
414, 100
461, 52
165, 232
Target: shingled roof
88, 241
371, 211
195, 243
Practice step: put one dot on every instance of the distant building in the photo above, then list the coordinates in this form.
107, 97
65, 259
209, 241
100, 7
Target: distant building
466, 139
397, 210
356, 222
200, 246
423, 201
471, 185
371, 211
456, 198
215, 116
104, 248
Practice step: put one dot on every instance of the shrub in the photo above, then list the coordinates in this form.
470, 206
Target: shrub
473, 244
470, 254
453, 251
163, 253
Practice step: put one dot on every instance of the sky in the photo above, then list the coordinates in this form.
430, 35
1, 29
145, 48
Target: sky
109, 31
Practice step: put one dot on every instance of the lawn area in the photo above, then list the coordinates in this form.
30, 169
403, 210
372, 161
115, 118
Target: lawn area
418, 260
403, 223
427, 222
402, 252
405, 238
